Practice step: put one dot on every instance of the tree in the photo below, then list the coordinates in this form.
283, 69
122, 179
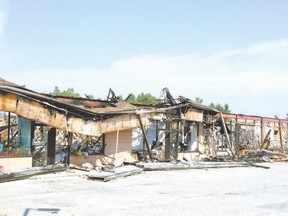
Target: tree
56, 91
212, 105
66, 93
226, 108
119, 97
218, 106
142, 98
131, 98
146, 98
198, 100
89, 96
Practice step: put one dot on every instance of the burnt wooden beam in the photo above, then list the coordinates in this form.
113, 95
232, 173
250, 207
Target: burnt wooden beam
237, 141
145, 138
167, 141
24, 174
280, 136
157, 132
175, 149
9, 124
69, 142
83, 102
50, 115
227, 135
51, 146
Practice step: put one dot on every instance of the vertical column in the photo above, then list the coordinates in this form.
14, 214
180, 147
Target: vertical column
237, 140
145, 138
103, 144
157, 132
261, 131
9, 123
167, 140
253, 138
32, 147
280, 135
69, 140
117, 144
213, 146
8, 135
51, 146
175, 150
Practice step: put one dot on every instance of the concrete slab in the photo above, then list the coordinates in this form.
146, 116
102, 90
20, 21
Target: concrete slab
115, 173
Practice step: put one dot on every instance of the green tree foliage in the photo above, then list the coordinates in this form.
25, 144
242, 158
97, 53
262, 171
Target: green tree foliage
131, 99
120, 97
146, 98
56, 91
198, 100
143, 98
89, 96
66, 93
221, 108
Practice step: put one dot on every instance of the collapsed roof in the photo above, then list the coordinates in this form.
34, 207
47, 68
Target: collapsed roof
70, 113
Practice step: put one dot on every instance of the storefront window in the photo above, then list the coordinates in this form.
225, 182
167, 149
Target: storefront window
15, 135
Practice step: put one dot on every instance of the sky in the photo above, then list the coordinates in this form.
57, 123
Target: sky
223, 51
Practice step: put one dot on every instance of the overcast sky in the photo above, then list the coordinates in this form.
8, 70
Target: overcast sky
224, 51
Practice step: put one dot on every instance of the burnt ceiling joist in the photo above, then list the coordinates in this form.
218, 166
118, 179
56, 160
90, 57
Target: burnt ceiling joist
64, 116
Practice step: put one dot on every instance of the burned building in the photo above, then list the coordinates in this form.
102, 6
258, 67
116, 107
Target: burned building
27, 110
40, 130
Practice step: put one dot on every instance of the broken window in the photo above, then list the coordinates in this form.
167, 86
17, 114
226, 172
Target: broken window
15, 135
87, 145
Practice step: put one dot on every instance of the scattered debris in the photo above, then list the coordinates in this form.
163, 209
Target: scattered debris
115, 173
88, 166
103, 136
6, 176
188, 165
263, 155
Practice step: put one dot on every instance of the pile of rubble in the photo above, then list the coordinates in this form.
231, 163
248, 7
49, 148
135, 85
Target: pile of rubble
263, 155
103, 164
